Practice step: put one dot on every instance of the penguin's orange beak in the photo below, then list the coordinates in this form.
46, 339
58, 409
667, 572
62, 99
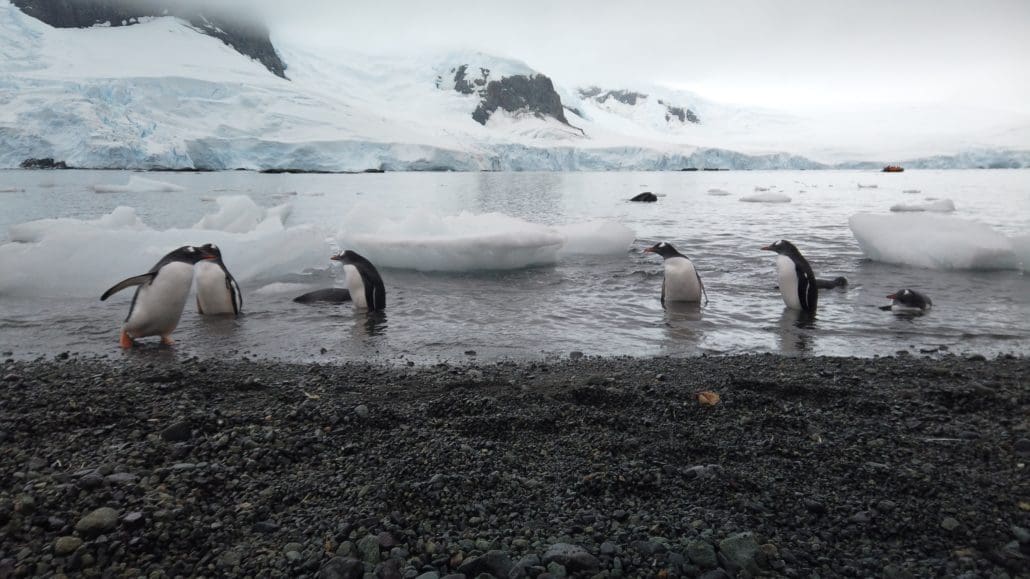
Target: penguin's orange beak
336, 257
767, 248
892, 297
648, 250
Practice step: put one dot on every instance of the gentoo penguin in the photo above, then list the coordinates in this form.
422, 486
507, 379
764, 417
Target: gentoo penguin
831, 283
160, 295
645, 197
217, 290
682, 282
797, 281
366, 287
908, 300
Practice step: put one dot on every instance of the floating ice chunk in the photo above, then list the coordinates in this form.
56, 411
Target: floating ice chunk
10, 190
938, 206
278, 288
426, 241
912, 191
935, 241
766, 197
240, 214
121, 218
94, 254
596, 238
718, 192
868, 186
138, 185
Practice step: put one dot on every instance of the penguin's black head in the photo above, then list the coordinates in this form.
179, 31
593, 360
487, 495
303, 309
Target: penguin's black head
782, 247
189, 254
910, 298
349, 257
211, 249
663, 249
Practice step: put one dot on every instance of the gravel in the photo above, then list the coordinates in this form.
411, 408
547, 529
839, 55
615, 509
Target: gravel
580, 467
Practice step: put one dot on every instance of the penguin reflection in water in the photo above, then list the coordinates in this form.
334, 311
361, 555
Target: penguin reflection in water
217, 290
160, 295
365, 287
798, 285
682, 283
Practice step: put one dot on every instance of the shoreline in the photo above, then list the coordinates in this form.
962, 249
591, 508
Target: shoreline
900, 466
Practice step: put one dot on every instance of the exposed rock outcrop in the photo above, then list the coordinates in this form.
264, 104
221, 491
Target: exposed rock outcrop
515, 93
631, 98
249, 38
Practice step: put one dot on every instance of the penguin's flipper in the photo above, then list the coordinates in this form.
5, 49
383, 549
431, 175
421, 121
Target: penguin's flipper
702, 284
808, 289
135, 280
886, 308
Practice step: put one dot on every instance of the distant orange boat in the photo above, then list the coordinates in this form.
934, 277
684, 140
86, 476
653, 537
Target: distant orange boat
893, 169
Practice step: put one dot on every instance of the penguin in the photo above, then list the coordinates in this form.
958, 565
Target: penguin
217, 290
160, 296
908, 300
839, 281
645, 197
363, 282
797, 280
333, 295
682, 282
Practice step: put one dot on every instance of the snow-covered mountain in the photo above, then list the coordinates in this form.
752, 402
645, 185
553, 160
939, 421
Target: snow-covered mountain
166, 92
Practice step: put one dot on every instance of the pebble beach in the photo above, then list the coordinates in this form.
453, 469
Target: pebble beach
152, 466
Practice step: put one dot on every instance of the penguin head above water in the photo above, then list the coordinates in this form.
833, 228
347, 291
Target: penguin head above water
783, 247
664, 249
911, 299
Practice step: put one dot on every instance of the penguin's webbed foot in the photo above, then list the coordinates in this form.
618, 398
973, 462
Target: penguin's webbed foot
125, 341
167, 341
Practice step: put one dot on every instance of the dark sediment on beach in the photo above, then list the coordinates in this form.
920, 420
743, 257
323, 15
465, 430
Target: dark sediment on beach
893, 467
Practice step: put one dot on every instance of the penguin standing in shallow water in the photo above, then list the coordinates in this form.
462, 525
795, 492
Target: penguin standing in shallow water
908, 300
797, 280
363, 282
682, 282
160, 296
217, 290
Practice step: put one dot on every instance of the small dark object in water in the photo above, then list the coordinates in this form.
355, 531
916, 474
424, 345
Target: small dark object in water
646, 197
335, 295
831, 283
893, 169
44, 163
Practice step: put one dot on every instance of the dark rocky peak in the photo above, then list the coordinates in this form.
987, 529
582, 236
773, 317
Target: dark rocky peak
531, 93
245, 35
631, 98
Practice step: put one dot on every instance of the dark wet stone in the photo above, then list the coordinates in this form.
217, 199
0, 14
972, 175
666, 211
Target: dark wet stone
342, 568
99, 521
573, 557
178, 432
495, 563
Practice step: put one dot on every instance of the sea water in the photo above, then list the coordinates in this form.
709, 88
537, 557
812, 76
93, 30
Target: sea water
521, 265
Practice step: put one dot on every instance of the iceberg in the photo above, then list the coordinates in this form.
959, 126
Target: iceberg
936, 242
424, 240
240, 214
936, 206
138, 185
766, 197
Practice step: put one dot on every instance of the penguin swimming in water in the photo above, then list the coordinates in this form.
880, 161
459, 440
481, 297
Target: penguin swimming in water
217, 290
839, 281
908, 300
797, 280
366, 287
160, 296
682, 282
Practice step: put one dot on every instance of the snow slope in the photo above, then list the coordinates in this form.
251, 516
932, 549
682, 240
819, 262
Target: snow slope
161, 95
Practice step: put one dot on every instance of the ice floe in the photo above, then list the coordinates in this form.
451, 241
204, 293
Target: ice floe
766, 197
138, 185
937, 242
932, 206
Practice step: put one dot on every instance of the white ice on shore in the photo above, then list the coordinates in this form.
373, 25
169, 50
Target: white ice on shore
936, 242
935, 206
766, 197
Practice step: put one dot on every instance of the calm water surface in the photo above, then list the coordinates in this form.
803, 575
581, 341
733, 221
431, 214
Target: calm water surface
596, 304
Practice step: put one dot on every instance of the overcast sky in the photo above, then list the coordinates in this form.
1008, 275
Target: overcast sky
775, 53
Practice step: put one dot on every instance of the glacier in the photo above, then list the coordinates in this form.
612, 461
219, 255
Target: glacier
160, 95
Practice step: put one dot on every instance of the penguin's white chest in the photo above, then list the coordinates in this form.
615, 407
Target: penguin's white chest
159, 304
213, 293
356, 286
681, 281
788, 281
